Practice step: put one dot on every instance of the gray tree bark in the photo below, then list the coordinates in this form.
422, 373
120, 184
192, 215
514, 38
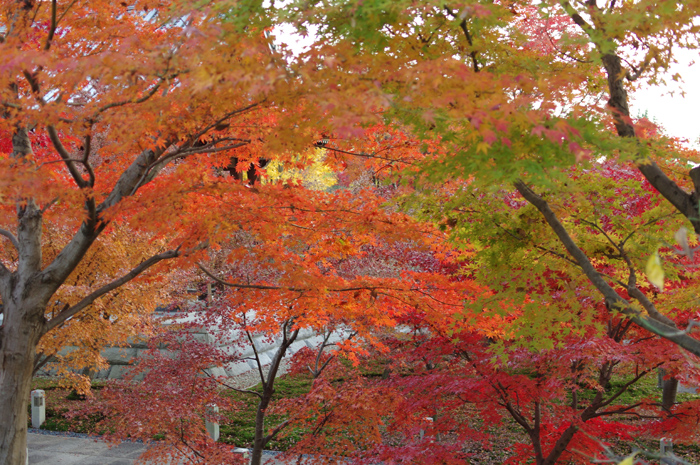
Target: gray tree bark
22, 329
24, 302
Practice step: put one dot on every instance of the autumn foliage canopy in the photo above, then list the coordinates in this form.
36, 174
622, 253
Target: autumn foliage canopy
461, 190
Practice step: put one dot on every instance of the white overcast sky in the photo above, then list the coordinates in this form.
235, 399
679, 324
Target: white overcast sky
677, 113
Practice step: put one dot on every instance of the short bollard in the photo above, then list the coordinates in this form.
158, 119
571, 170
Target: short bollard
428, 421
38, 408
245, 453
666, 450
212, 426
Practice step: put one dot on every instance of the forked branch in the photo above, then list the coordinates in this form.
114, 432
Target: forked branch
71, 311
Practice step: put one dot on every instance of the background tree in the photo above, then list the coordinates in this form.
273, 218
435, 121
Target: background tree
518, 96
345, 266
513, 96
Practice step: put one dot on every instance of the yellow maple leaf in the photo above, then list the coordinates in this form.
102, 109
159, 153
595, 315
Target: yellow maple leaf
654, 271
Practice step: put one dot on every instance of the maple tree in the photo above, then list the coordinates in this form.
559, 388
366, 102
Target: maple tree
137, 126
517, 98
557, 394
140, 111
121, 119
356, 282
521, 104
539, 290
448, 386
510, 96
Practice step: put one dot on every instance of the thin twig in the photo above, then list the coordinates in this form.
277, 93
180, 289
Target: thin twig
52, 27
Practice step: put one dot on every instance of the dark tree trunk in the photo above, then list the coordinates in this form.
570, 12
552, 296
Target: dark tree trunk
668, 396
560, 445
26, 291
261, 439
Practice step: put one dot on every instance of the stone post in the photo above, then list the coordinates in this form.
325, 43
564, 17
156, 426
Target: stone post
38, 408
666, 450
428, 421
212, 426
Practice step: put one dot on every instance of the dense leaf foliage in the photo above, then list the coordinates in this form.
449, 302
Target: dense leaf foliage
459, 187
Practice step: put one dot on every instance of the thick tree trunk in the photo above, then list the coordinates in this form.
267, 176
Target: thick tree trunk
21, 333
26, 291
24, 298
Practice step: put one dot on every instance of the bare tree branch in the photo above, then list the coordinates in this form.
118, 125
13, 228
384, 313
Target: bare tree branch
368, 155
70, 5
245, 286
228, 386
578, 19
86, 160
40, 360
316, 371
52, 26
468, 36
182, 153
136, 101
621, 390
275, 431
65, 156
222, 120
303, 289
258, 362
11, 237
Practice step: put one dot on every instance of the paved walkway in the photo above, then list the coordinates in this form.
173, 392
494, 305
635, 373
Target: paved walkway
45, 449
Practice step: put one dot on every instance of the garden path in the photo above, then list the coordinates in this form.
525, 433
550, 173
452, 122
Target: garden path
45, 449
